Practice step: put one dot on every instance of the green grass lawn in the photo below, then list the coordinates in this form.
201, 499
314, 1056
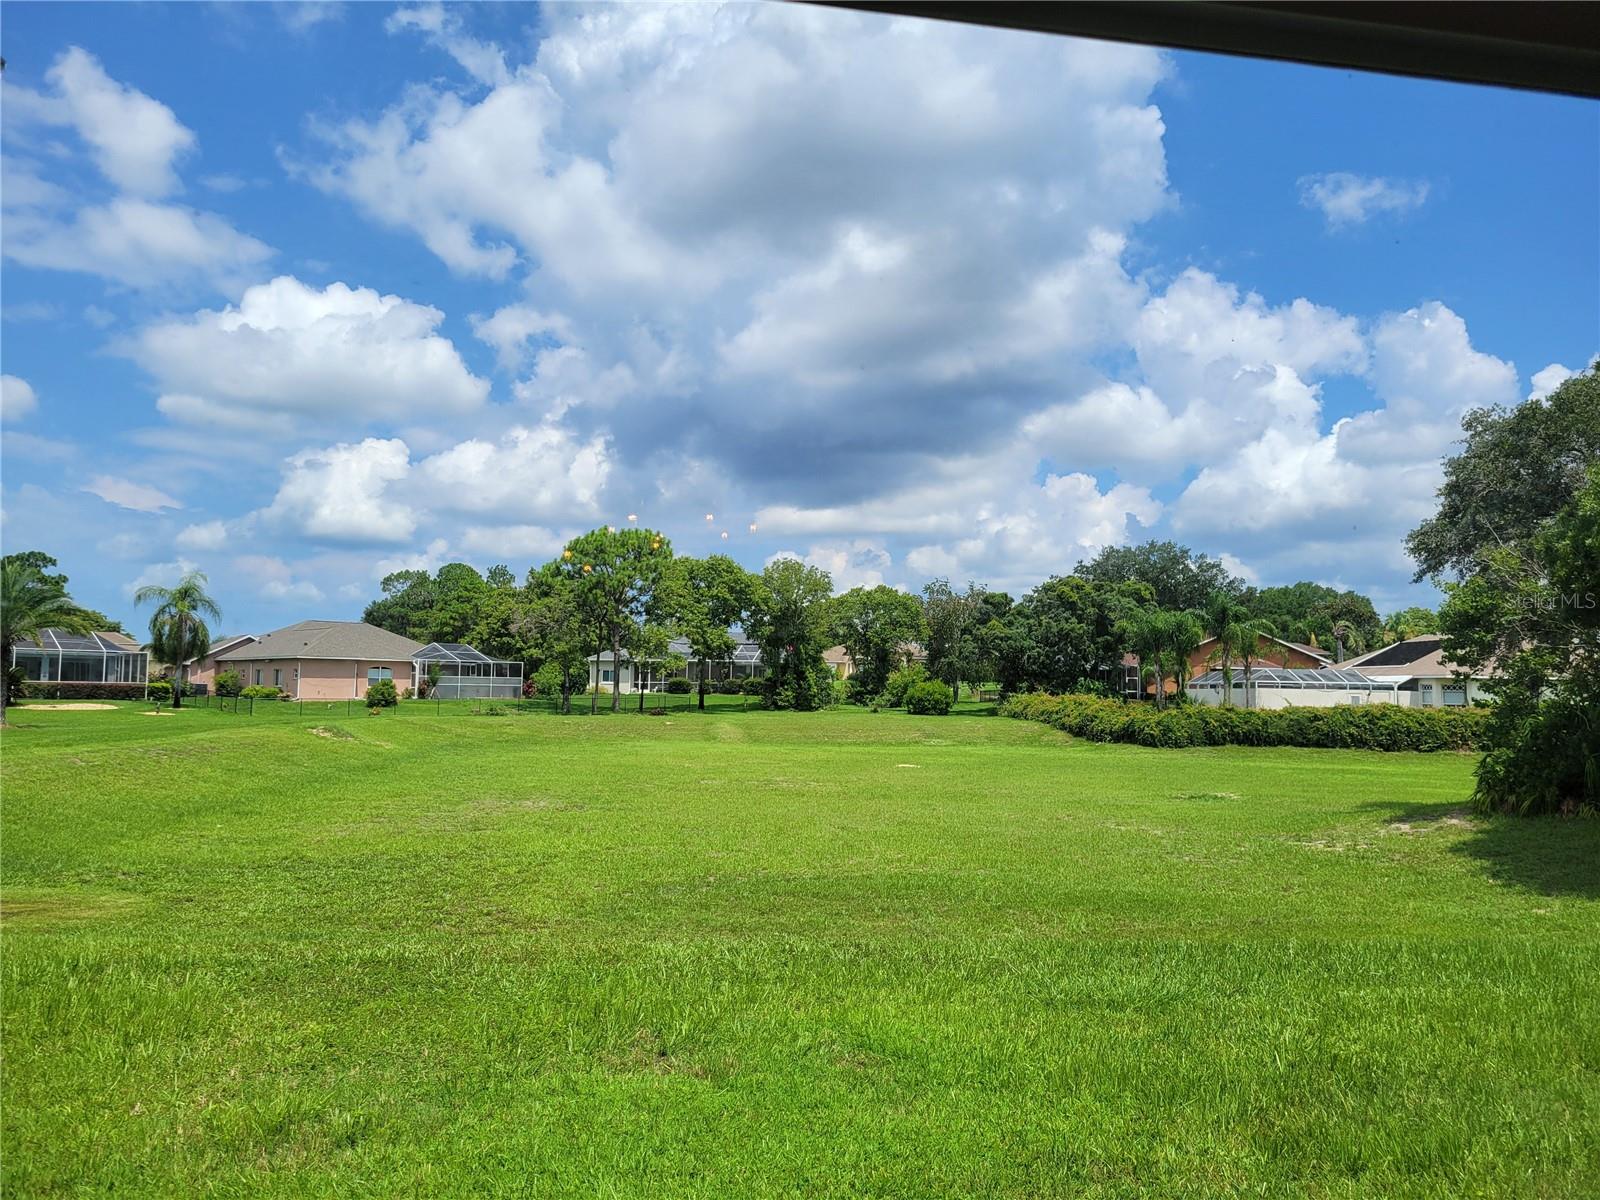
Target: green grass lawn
757, 954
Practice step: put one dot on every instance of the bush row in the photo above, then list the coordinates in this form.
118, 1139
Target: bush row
1350, 727
70, 689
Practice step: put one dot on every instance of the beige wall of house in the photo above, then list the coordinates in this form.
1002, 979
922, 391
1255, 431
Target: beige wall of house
319, 678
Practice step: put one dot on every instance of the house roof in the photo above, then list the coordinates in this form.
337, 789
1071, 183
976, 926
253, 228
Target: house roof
1422, 656
1315, 652
326, 639
105, 641
220, 645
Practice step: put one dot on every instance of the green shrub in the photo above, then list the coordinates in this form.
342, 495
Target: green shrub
899, 683
801, 688
679, 686
930, 698
227, 683
1354, 727
159, 690
381, 694
260, 691
1541, 756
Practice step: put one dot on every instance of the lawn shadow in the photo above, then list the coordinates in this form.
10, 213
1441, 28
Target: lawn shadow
1553, 856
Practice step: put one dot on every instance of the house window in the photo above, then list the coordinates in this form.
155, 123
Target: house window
605, 676
1355, 699
258, 676
376, 673
277, 677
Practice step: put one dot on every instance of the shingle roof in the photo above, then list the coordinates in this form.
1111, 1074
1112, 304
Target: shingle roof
326, 639
1414, 656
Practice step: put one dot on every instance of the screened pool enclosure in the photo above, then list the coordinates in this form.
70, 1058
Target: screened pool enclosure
1290, 687
59, 656
465, 673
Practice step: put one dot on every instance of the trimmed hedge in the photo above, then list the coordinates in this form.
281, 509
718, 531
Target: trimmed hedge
930, 698
71, 689
1348, 727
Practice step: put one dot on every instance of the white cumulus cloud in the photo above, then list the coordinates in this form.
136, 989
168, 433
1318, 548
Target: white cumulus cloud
17, 398
1345, 199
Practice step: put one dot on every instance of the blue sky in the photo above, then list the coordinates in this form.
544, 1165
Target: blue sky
301, 294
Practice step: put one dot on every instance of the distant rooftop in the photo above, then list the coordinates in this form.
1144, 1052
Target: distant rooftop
326, 639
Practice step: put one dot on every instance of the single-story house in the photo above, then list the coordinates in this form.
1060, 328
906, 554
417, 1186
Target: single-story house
1294, 687
652, 675
103, 657
203, 670
843, 666
1270, 652
1417, 666
323, 660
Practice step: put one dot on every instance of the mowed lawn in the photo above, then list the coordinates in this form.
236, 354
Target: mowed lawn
754, 954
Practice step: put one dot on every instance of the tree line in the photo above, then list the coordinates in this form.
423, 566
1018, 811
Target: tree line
624, 592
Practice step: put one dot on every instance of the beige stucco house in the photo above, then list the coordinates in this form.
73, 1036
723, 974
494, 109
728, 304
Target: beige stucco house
1425, 678
322, 660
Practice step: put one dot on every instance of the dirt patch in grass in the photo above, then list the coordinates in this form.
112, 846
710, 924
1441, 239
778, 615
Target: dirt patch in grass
646, 1053
158, 712
74, 706
338, 735
1456, 818
40, 909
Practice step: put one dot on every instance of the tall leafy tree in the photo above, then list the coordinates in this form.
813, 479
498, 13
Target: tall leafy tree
790, 620
30, 602
1518, 469
874, 624
702, 599
1180, 579
1519, 526
1072, 633
617, 572
951, 618
178, 629
405, 606
1409, 623
554, 631
45, 565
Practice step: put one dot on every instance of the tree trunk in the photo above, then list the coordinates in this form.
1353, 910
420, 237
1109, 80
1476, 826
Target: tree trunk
594, 692
638, 686
177, 667
705, 668
5, 682
566, 691
616, 669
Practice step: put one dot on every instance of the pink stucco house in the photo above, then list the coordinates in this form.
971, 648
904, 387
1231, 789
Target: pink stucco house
320, 660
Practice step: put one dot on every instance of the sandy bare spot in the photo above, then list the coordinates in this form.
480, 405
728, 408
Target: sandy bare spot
78, 705
912, 766
159, 712
322, 731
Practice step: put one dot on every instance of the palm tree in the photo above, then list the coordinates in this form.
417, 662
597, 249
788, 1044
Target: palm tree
178, 632
1342, 632
28, 604
1146, 634
1226, 618
1185, 631
1251, 632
